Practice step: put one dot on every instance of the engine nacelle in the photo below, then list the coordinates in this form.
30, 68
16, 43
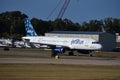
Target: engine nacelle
58, 50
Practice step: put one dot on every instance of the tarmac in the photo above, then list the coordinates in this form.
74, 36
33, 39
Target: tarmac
58, 61
44, 58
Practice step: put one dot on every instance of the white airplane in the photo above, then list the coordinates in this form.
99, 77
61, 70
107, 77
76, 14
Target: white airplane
60, 44
20, 44
5, 42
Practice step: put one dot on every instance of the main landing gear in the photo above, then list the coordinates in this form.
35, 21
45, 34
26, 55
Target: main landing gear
71, 53
90, 54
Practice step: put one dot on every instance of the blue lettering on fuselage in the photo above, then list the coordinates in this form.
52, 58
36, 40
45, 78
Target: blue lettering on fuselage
77, 41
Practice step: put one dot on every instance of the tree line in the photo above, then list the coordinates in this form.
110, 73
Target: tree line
12, 25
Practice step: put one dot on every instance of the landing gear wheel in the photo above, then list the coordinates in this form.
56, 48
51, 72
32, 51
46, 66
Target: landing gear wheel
70, 53
90, 54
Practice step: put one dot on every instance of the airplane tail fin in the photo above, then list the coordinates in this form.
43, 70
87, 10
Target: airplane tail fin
29, 28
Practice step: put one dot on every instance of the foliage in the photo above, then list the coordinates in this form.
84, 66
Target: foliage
12, 25
41, 26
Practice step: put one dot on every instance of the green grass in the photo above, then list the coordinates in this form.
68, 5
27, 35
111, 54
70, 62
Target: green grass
25, 50
21, 52
58, 72
107, 54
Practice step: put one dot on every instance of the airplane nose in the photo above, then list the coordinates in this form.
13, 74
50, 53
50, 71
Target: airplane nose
99, 46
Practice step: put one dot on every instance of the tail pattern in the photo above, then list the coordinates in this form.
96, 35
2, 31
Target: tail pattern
29, 28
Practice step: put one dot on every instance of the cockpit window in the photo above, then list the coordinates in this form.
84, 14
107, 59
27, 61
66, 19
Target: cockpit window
95, 42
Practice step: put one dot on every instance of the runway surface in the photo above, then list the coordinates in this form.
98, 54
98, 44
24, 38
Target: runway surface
58, 61
44, 57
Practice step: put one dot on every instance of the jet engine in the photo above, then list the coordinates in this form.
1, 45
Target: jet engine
58, 51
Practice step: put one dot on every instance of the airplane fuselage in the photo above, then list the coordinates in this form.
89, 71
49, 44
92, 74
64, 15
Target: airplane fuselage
72, 43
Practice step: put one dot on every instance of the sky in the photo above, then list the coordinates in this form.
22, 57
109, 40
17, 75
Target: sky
77, 11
